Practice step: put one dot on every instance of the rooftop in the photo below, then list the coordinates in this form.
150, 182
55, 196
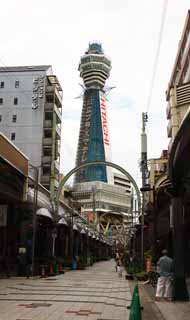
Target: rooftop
95, 47
25, 68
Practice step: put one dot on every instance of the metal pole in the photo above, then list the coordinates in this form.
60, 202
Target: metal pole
134, 239
71, 230
34, 216
54, 236
143, 170
154, 223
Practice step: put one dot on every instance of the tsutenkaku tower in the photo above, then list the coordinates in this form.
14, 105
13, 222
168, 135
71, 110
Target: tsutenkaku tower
94, 140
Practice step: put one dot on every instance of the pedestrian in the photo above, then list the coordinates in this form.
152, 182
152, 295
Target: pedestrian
116, 263
21, 258
165, 270
119, 268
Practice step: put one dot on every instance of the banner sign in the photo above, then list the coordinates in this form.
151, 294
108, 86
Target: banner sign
104, 121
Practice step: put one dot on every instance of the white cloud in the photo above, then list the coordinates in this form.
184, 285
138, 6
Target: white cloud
57, 32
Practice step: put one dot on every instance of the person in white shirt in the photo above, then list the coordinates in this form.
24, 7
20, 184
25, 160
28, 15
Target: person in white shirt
165, 269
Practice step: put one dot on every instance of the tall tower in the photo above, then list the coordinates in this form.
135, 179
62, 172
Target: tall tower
94, 141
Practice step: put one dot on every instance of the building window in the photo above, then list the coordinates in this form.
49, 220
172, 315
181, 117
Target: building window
49, 98
15, 101
16, 84
1, 101
48, 115
47, 152
0, 117
14, 118
2, 84
13, 135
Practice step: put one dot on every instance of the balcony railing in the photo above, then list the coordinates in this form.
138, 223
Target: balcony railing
48, 124
47, 141
50, 106
58, 131
53, 89
58, 113
46, 160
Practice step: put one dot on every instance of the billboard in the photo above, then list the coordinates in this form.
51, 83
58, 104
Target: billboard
106, 137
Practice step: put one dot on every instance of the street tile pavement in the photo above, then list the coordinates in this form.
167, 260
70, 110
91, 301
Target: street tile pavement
163, 310
174, 310
96, 293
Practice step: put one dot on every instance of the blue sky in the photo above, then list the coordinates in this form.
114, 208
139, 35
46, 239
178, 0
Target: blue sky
57, 32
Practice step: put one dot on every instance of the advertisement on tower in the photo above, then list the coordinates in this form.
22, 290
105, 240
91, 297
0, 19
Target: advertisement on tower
106, 137
104, 121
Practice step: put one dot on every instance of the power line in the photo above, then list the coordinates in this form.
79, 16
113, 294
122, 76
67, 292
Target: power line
163, 17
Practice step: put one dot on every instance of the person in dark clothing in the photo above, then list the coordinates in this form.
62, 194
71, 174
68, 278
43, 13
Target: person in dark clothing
21, 261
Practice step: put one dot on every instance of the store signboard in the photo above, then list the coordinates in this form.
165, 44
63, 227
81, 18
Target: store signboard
3, 215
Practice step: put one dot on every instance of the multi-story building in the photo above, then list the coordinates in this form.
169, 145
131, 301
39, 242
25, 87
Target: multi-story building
30, 116
102, 199
178, 92
123, 182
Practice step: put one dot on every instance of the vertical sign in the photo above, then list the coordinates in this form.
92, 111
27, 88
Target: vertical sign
38, 91
106, 137
103, 109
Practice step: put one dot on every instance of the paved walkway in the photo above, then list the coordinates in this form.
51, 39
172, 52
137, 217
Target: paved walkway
161, 310
94, 294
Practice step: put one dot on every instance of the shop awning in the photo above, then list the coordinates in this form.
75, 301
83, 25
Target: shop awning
75, 227
63, 221
83, 231
44, 212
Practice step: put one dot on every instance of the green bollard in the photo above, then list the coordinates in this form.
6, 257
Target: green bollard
56, 268
135, 307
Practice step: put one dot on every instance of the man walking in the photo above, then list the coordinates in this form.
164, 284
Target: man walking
165, 269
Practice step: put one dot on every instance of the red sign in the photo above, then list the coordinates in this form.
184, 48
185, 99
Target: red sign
104, 121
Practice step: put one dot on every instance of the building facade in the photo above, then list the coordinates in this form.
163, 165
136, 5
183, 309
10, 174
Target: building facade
123, 182
30, 116
178, 92
178, 114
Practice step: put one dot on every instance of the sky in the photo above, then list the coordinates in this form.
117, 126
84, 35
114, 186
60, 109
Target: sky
57, 32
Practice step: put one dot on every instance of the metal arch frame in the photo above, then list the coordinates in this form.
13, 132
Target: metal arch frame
93, 163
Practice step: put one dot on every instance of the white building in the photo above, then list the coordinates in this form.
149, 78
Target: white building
30, 116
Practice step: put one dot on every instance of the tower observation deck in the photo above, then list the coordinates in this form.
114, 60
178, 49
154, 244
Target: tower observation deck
94, 141
94, 67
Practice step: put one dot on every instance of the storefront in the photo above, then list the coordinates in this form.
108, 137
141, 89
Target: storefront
13, 193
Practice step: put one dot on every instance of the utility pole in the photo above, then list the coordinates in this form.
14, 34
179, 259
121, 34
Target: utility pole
131, 218
143, 170
134, 237
35, 201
